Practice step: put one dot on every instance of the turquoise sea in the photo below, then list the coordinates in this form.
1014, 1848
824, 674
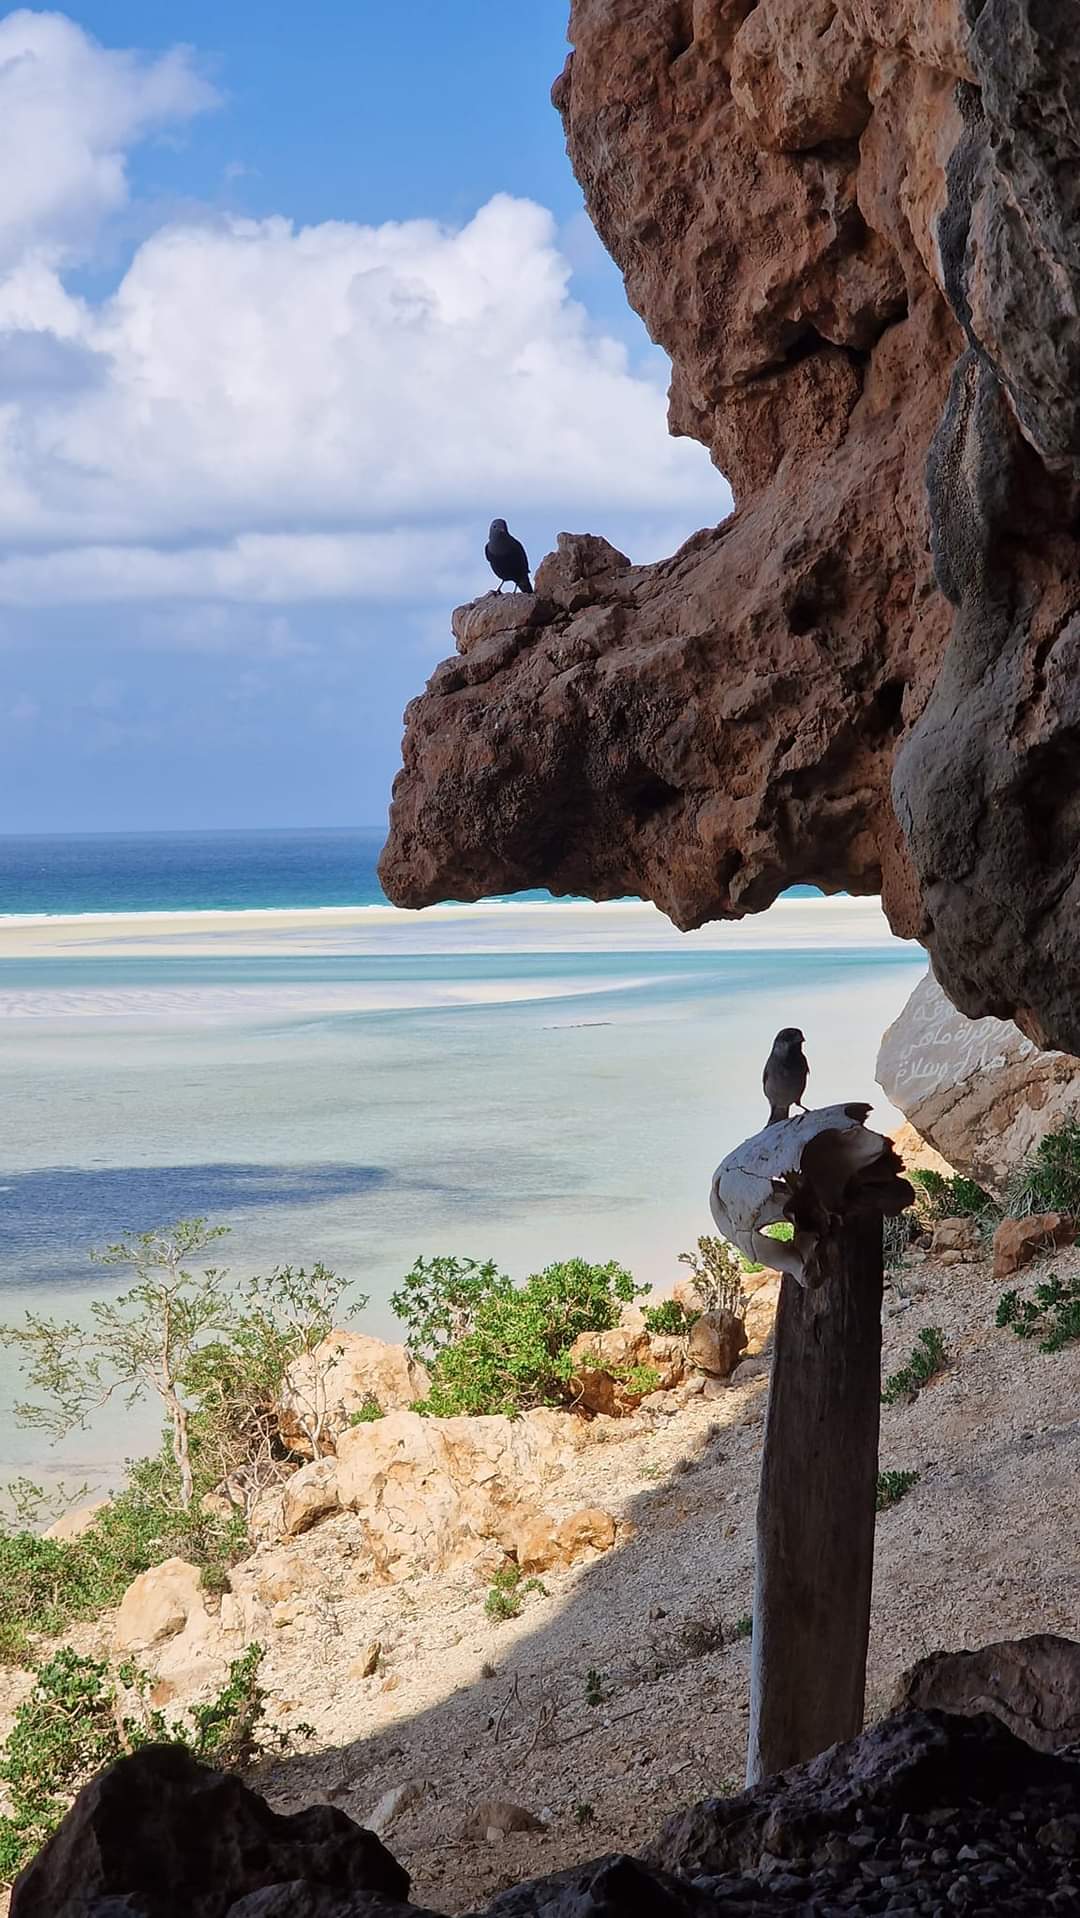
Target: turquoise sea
237, 1025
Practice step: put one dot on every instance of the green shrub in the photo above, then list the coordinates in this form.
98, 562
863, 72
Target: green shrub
1051, 1315
744, 1627
80, 1716
596, 1692
670, 1317
439, 1300
891, 1487
584, 1814
954, 1197
929, 1357
1049, 1180
514, 1352
717, 1271
508, 1591
48, 1584
367, 1411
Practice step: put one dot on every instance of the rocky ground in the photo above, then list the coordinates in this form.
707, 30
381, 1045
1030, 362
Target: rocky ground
620, 1694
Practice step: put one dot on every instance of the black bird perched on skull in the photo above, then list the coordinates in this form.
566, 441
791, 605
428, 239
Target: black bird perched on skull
785, 1074
507, 558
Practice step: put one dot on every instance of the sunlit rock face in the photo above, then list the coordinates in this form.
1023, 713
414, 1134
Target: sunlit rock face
852, 224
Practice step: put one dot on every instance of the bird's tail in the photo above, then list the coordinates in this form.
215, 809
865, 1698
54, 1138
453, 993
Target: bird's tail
528, 586
777, 1114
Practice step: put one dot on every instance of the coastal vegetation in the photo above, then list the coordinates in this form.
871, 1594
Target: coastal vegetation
493, 1346
892, 1487
1051, 1315
80, 1715
929, 1357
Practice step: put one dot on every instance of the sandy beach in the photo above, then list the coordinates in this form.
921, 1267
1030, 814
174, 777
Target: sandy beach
502, 926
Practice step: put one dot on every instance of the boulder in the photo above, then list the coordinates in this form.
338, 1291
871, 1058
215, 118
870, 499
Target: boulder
1018, 1241
1031, 1684
432, 1493
157, 1605
909, 1763
600, 1361
980, 1092
309, 1495
165, 1837
72, 1525
956, 1235
759, 1317
717, 1342
495, 1817
326, 1388
590, 1530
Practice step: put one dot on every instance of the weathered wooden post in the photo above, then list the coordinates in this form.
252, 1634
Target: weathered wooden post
835, 1181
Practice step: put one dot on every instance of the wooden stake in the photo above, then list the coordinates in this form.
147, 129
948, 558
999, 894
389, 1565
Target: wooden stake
816, 1507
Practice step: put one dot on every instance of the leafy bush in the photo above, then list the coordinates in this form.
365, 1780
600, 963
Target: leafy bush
941, 1197
48, 1584
215, 1357
717, 1271
508, 1591
1051, 1315
1049, 1180
80, 1716
744, 1627
670, 1317
891, 1487
367, 1411
513, 1350
929, 1357
439, 1301
584, 1814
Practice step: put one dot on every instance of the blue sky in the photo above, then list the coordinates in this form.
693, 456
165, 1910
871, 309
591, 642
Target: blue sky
292, 302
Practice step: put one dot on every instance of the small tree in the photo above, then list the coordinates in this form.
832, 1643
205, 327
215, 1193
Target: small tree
238, 1378
214, 1354
718, 1275
141, 1343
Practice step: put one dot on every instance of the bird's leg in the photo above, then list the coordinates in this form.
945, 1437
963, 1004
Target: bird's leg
500, 586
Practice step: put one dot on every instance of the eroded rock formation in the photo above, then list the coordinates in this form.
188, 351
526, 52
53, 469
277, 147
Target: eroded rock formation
853, 226
947, 1804
977, 1089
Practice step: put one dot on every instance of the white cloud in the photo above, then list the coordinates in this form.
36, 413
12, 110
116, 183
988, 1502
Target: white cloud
269, 414
399, 563
69, 111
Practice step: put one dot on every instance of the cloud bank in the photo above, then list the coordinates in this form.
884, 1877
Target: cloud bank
259, 410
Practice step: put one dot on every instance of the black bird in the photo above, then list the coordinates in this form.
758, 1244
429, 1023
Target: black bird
507, 558
785, 1074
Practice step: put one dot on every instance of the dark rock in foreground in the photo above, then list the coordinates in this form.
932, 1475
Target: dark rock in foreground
160, 1836
928, 1812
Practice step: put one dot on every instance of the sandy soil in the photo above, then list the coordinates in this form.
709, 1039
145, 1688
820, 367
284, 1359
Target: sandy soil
621, 1693
986, 1546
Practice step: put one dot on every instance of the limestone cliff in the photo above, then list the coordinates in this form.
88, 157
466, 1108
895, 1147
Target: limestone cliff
852, 224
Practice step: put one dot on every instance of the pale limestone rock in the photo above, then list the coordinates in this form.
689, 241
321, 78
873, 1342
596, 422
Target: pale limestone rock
981, 1093
157, 1605
309, 1495
72, 1525
432, 1493
324, 1390
956, 1235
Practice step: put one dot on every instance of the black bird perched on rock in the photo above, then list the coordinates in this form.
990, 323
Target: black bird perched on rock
785, 1074
507, 558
